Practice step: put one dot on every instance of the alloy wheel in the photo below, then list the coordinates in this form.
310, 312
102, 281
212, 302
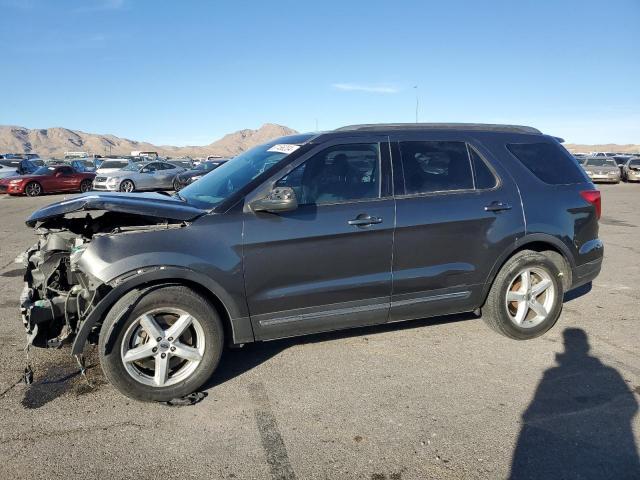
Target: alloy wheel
33, 189
530, 297
163, 347
127, 186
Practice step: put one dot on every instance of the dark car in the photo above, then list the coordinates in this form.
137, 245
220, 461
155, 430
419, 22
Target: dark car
200, 170
48, 179
314, 232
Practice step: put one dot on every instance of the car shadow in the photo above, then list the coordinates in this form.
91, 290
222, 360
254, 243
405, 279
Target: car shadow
579, 423
578, 292
236, 361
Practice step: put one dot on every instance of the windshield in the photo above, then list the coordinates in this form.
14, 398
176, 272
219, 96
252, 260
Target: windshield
600, 162
44, 171
634, 163
114, 164
233, 175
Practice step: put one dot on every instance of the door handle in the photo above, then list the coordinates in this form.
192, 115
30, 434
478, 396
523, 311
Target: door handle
497, 207
363, 220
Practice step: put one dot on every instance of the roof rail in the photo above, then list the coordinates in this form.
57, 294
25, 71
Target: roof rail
441, 126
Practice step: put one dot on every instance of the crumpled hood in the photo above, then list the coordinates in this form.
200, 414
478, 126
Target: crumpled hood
147, 204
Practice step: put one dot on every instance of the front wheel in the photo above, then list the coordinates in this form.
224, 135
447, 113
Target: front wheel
127, 186
176, 186
162, 345
526, 297
33, 189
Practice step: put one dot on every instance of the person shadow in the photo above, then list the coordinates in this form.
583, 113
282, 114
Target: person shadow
579, 424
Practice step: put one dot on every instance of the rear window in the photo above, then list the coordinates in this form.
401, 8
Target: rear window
549, 162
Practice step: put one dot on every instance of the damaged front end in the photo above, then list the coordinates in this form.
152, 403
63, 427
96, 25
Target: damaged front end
58, 294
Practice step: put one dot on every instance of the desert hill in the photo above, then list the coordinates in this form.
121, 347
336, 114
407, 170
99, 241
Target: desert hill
53, 142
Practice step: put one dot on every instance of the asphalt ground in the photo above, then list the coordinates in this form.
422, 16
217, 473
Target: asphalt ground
442, 398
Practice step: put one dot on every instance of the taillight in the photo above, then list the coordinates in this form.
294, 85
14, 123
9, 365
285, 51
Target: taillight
593, 197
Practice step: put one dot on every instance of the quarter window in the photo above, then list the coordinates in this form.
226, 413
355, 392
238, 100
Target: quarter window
337, 174
483, 176
549, 162
435, 167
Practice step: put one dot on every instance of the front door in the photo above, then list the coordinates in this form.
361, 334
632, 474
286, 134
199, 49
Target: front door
327, 264
457, 210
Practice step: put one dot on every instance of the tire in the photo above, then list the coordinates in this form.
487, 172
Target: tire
124, 336
176, 186
86, 186
127, 186
515, 317
33, 189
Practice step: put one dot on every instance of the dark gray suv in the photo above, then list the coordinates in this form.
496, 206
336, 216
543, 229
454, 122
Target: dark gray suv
363, 225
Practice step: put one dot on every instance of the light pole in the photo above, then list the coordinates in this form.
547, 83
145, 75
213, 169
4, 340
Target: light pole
417, 103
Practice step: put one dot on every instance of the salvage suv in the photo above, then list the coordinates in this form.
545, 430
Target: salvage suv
362, 225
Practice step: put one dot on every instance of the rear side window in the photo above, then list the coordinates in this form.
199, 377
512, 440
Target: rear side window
548, 162
435, 167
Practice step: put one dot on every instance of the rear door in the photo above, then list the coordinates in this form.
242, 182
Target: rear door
327, 264
457, 210
165, 175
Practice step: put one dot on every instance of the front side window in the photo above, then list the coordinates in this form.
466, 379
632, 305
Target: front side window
341, 173
435, 167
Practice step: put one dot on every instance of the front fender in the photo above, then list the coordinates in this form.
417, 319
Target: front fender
241, 329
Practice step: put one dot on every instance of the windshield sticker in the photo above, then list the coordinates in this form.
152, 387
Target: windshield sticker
284, 148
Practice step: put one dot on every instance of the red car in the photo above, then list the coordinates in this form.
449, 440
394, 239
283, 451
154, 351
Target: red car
48, 179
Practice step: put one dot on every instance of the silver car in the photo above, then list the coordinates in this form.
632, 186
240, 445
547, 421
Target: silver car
631, 170
139, 176
602, 169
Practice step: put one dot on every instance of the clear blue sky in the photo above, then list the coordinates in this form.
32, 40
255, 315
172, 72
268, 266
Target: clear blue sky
187, 72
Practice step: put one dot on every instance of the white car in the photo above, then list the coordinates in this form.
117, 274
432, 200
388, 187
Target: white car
113, 165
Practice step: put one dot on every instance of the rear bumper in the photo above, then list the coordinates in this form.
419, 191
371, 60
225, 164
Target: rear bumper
585, 273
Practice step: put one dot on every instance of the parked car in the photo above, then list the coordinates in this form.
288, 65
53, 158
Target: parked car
47, 179
16, 167
83, 165
631, 172
200, 170
315, 232
110, 165
185, 163
602, 169
138, 177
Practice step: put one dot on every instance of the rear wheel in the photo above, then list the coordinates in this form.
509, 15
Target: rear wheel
526, 297
127, 186
85, 186
160, 346
33, 189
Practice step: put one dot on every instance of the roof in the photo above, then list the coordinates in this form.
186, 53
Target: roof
487, 127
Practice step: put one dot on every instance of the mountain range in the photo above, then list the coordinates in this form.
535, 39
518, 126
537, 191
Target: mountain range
53, 142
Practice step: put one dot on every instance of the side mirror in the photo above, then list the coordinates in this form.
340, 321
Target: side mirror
59, 174
280, 199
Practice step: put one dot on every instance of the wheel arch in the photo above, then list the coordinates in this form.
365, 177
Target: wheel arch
556, 249
237, 329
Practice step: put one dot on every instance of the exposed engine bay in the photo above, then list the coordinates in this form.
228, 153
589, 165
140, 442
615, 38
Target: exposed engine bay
58, 296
